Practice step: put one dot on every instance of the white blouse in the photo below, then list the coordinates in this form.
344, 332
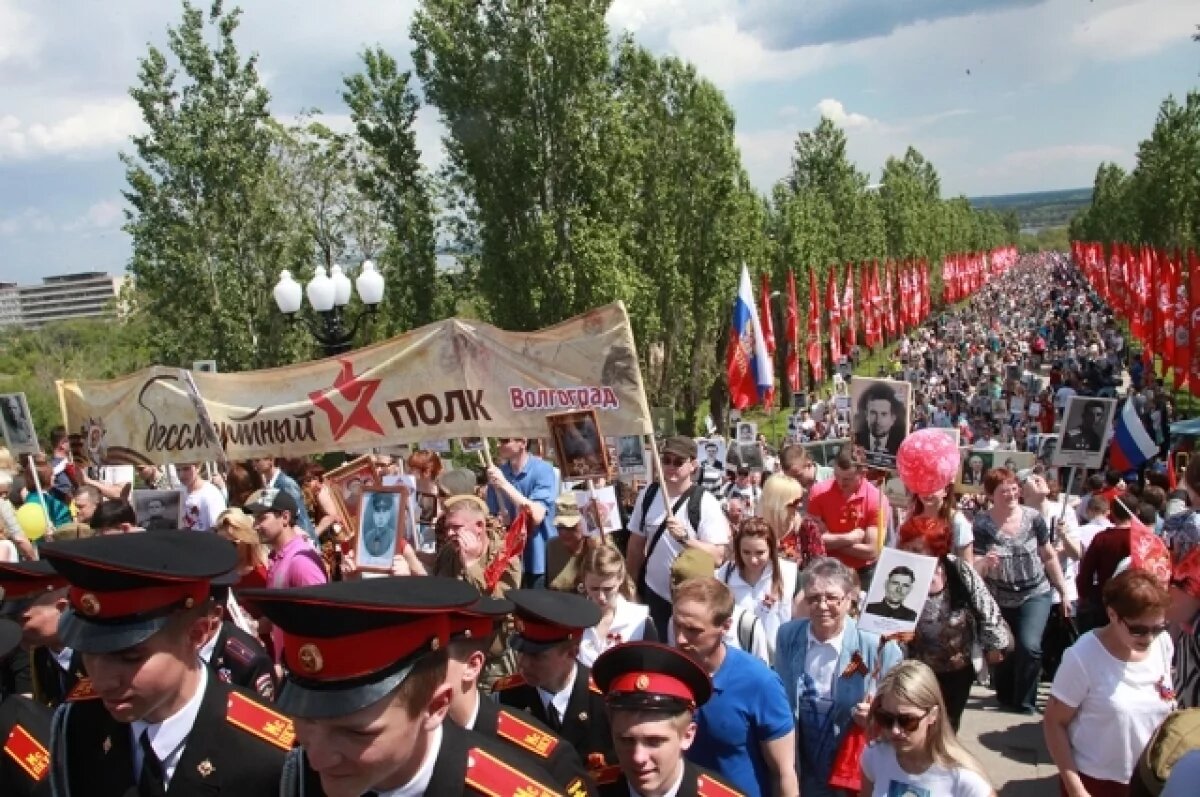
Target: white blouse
757, 597
629, 620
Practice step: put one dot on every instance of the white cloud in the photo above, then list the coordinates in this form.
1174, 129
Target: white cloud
730, 56
28, 220
94, 128
836, 112
1030, 161
1136, 30
19, 39
104, 215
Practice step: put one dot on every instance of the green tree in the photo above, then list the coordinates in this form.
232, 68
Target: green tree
389, 172
208, 228
523, 88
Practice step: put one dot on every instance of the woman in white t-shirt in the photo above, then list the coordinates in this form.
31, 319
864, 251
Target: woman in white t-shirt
760, 581
604, 581
1116, 678
915, 750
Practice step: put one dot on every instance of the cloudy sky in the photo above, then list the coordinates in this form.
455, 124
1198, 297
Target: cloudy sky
1002, 95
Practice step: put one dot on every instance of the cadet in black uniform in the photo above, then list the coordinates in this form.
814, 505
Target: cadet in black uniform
365, 680
551, 684
234, 655
652, 693
36, 596
470, 640
156, 718
24, 734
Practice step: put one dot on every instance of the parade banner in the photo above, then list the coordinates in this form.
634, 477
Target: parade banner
454, 378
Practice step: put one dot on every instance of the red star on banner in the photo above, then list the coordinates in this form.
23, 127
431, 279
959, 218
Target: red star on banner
353, 389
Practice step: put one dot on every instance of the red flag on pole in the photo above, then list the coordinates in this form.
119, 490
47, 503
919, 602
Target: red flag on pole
814, 326
765, 316
1194, 323
793, 335
1181, 362
848, 310
835, 317
1164, 321
889, 297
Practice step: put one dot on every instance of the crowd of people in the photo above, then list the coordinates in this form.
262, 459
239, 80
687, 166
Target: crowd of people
712, 646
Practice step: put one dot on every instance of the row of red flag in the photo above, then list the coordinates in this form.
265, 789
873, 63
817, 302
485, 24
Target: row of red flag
1157, 292
895, 298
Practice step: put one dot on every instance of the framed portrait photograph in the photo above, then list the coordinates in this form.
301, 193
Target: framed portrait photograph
1084, 432
973, 466
710, 453
880, 412
582, 453
898, 592
347, 484
471, 445
747, 432
16, 422
631, 455
381, 524
158, 510
662, 420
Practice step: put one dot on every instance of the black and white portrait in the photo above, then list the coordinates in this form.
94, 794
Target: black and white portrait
747, 432
158, 510
880, 418
710, 453
1084, 433
631, 453
18, 424
975, 464
380, 524
898, 591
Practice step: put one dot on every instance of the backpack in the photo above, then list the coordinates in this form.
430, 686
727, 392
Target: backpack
1187, 670
1178, 734
693, 506
745, 631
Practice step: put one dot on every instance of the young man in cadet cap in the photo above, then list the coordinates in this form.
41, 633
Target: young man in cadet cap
35, 596
155, 721
366, 684
652, 692
236, 656
472, 632
24, 733
551, 684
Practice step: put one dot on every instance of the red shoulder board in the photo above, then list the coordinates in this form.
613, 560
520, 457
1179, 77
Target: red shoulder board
239, 650
258, 720
82, 691
28, 752
707, 786
493, 777
508, 682
592, 686
524, 735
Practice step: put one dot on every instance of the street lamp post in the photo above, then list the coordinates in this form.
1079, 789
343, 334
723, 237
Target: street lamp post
329, 294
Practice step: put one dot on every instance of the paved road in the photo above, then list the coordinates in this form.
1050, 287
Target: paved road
1009, 746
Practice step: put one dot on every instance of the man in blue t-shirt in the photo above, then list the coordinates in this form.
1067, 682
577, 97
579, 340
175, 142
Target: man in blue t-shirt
745, 732
525, 482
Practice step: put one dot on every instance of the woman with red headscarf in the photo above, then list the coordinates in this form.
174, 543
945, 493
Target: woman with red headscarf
958, 612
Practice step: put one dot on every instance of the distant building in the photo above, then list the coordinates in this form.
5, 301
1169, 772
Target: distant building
90, 294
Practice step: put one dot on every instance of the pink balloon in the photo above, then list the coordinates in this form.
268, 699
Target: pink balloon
927, 461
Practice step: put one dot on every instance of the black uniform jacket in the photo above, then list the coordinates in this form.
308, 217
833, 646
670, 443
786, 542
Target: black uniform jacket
241, 660
236, 748
522, 732
697, 782
467, 763
51, 683
25, 739
585, 723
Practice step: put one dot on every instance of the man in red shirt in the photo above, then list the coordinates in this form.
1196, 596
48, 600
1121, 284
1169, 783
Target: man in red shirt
1099, 562
847, 507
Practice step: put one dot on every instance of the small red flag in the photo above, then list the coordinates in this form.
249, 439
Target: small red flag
814, 326
848, 310
1182, 360
764, 314
835, 317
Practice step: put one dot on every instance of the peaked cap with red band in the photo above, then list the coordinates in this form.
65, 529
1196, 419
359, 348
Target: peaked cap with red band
647, 676
20, 580
125, 587
349, 644
544, 618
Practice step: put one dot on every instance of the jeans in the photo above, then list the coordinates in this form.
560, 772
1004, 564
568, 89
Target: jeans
956, 689
1016, 678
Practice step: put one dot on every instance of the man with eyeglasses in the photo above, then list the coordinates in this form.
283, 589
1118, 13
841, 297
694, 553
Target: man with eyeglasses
525, 483
661, 531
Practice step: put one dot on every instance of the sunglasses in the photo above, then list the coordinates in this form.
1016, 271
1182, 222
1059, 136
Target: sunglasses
1137, 629
907, 722
673, 461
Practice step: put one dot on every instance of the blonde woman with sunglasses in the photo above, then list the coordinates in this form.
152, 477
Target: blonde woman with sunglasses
915, 750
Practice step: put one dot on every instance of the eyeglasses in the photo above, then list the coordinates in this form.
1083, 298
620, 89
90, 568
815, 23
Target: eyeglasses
817, 600
907, 722
673, 461
1137, 629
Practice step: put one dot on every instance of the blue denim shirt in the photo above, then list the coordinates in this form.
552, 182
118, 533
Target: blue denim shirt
537, 483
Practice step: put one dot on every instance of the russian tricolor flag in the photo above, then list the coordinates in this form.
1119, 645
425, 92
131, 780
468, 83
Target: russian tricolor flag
1132, 445
747, 364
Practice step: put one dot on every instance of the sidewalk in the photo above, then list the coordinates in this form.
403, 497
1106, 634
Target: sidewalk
1009, 746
